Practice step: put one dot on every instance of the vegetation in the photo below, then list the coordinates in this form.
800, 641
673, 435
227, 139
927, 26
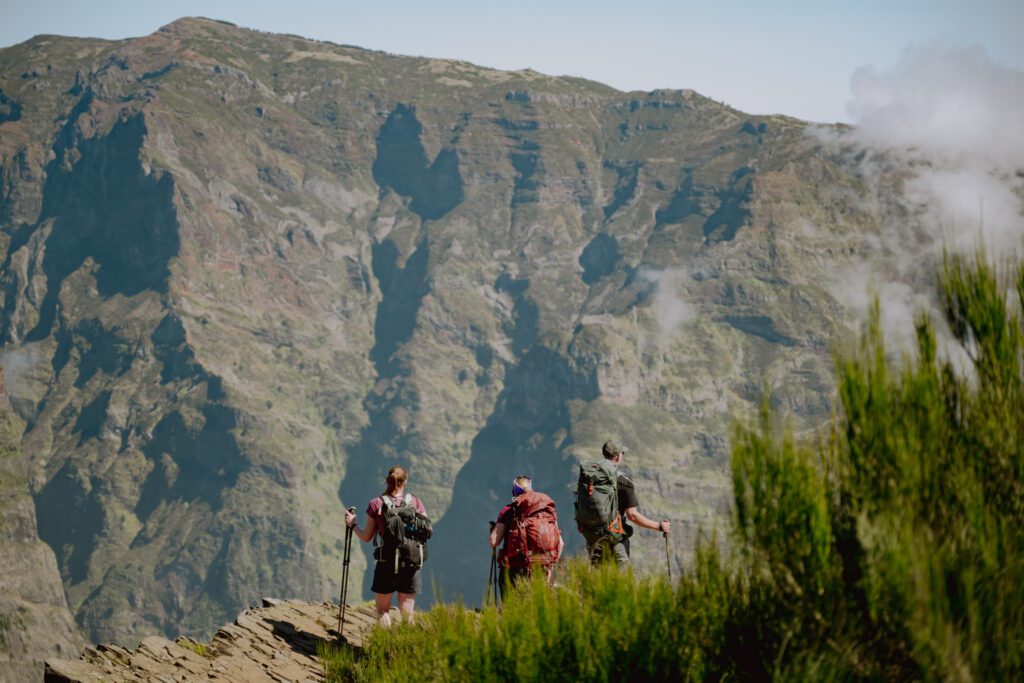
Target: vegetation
197, 647
892, 549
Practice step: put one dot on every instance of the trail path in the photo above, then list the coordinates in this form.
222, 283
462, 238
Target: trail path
276, 642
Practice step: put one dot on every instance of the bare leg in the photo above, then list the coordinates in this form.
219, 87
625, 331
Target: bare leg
383, 604
406, 604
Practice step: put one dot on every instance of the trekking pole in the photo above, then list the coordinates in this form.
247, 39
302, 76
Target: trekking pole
344, 577
497, 584
490, 575
668, 562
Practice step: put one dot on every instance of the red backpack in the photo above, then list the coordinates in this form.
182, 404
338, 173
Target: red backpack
533, 536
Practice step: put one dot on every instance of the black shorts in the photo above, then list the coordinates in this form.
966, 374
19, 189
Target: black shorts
386, 581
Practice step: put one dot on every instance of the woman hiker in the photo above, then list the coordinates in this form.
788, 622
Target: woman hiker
392, 573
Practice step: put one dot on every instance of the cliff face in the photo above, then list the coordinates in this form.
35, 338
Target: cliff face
35, 622
245, 273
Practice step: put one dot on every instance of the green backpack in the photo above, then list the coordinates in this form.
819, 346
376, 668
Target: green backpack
597, 502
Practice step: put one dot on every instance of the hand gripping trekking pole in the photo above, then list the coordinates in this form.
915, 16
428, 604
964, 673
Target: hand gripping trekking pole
344, 577
668, 562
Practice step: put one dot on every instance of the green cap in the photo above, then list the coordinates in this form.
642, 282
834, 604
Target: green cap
613, 448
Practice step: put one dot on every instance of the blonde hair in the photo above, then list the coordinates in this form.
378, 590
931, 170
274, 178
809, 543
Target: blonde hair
524, 483
397, 476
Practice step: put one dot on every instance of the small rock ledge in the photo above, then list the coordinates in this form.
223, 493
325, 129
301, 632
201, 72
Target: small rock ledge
275, 642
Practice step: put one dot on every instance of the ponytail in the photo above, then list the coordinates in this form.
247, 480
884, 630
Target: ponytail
397, 476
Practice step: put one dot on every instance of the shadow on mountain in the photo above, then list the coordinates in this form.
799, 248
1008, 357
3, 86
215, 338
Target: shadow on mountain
171, 348
759, 326
625, 185
191, 463
99, 350
524, 328
403, 289
599, 258
70, 519
401, 165
525, 186
105, 207
685, 202
734, 209
10, 110
91, 418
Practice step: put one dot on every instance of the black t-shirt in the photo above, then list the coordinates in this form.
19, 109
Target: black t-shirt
627, 498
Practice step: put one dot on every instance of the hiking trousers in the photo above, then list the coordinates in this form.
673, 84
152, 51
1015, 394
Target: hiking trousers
613, 552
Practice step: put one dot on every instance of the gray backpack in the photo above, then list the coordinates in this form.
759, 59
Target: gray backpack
597, 502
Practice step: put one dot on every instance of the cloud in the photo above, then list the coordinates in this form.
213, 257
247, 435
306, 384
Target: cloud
671, 310
857, 286
953, 116
970, 204
939, 141
948, 102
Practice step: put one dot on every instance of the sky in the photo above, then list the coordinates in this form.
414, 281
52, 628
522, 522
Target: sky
785, 57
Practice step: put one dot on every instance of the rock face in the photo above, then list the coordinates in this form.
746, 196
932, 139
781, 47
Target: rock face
35, 622
244, 274
275, 642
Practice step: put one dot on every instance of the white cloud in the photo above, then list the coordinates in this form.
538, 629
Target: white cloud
671, 310
940, 144
954, 116
952, 103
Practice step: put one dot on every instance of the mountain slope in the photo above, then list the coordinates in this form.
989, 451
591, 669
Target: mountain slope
246, 273
35, 622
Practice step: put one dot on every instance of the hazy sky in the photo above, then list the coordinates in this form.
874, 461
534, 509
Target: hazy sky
793, 57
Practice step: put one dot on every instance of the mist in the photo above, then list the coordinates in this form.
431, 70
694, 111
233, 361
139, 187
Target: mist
943, 131
670, 309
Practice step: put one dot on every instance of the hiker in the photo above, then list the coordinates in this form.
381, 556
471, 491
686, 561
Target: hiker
529, 528
603, 497
397, 523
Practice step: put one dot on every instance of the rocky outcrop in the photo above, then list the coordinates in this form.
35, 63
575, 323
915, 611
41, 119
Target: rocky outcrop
275, 642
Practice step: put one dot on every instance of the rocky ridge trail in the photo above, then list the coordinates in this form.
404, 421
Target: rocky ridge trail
274, 642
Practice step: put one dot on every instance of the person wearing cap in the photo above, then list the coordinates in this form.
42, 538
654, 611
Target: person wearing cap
533, 509
629, 509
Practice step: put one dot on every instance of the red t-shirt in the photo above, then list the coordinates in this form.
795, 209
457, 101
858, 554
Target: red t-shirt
374, 511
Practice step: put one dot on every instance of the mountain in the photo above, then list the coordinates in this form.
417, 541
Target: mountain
245, 273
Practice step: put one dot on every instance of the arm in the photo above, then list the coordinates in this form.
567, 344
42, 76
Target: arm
364, 535
497, 533
636, 517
